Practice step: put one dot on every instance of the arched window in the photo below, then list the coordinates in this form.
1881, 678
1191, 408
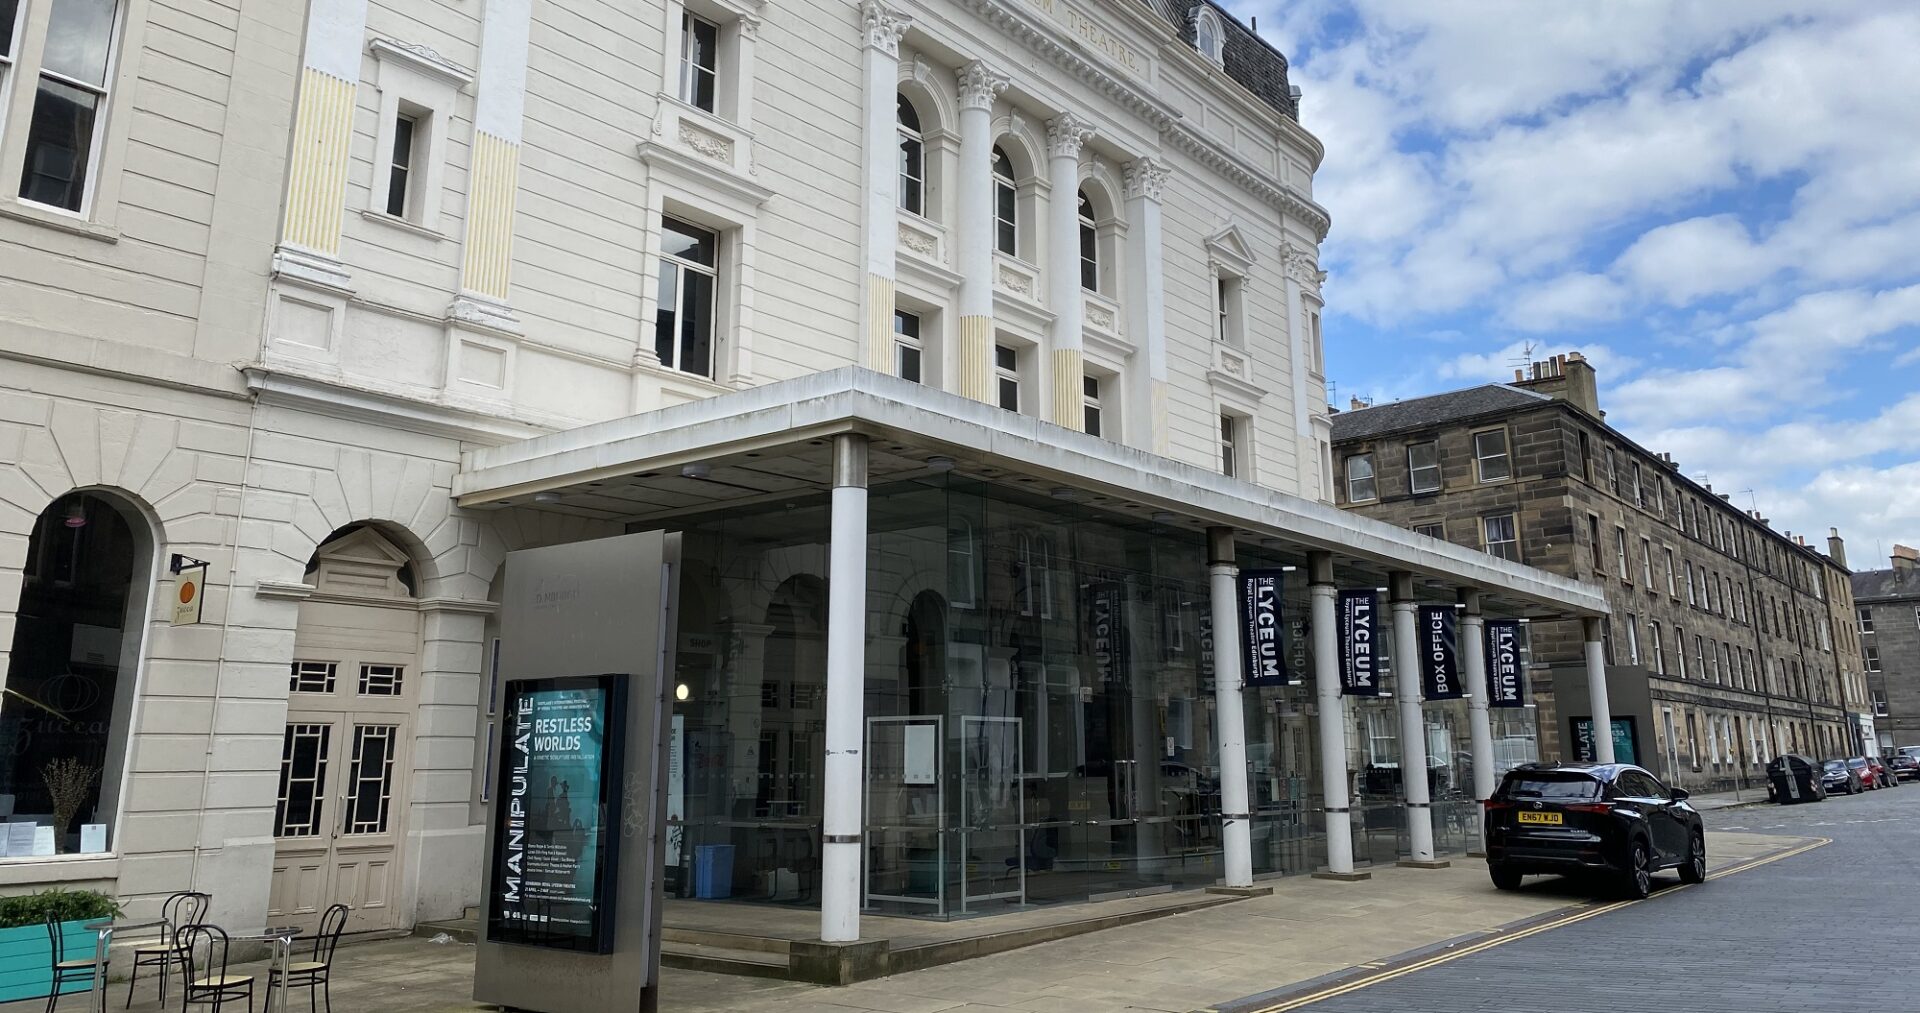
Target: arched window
1006, 205
1089, 246
70, 680
913, 168
1207, 36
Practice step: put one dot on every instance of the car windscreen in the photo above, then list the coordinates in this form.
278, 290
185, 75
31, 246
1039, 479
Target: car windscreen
1857, 763
1550, 786
1834, 765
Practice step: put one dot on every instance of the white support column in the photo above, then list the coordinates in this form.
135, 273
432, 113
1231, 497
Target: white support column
846, 694
1065, 134
1235, 832
1333, 723
973, 239
881, 58
1473, 658
1146, 297
1413, 725
1597, 691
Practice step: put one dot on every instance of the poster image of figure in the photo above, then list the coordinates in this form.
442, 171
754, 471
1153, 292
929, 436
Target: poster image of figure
555, 841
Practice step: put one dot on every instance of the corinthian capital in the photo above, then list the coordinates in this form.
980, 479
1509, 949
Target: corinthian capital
1144, 177
980, 85
884, 26
1065, 134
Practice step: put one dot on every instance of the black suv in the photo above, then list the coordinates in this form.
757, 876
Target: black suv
1610, 818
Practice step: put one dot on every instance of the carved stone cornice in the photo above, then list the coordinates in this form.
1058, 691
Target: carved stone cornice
1301, 266
1145, 177
884, 26
980, 85
1065, 134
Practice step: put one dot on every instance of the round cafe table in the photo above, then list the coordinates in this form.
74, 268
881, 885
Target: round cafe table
103, 932
280, 937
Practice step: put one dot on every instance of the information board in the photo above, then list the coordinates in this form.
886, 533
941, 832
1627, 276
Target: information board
557, 814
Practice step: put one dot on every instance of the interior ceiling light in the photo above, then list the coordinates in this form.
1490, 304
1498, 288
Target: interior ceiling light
546, 497
76, 515
697, 470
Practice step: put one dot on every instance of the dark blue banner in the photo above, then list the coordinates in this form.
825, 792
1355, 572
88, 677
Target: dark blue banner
1263, 634
1439, 641
1358, 614
1506, 680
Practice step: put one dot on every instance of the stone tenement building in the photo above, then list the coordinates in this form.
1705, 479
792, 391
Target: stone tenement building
1887, 617
1722, 646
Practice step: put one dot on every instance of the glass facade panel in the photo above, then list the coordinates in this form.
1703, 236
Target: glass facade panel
1039, 706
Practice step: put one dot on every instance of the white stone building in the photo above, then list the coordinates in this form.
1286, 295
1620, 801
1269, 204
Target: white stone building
270, 274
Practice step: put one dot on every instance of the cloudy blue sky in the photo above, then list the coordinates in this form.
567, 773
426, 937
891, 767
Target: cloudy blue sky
1718, 202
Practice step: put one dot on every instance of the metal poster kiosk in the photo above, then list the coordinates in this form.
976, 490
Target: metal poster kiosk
577, 826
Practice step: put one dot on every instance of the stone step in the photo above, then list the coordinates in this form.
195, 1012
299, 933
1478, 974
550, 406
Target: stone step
725, 940
723, 960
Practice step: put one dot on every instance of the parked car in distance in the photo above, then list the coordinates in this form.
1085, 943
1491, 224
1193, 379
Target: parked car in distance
1614, 820
1904, 766
1884, 776
1869, 772
1840, 779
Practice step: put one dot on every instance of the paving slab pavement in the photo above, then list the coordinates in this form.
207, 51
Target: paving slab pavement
1307, 929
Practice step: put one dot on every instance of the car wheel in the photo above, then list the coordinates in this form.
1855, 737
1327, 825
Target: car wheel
1694, 869
1504, 878
1637, 881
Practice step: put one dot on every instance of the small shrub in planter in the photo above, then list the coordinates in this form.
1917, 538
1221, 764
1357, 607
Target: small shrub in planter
23, 937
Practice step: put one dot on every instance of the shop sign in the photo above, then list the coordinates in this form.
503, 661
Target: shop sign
189, 586
557, 819
1506, 683
1440, 654
1359, 615
1262, 634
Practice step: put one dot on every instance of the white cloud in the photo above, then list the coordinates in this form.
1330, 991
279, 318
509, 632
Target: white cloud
1571, 300
1682, 261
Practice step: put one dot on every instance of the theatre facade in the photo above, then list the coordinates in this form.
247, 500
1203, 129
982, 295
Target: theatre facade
969, 351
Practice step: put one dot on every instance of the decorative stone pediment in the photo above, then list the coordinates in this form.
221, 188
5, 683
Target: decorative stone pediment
361, 563
1228, 248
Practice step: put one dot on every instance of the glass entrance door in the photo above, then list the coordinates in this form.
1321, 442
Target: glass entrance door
991, 831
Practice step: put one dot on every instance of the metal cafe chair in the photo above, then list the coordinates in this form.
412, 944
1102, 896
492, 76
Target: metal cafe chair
316, 973
178, 911
207, 980
65, 970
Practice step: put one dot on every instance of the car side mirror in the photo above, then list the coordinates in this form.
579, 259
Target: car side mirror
1681, 794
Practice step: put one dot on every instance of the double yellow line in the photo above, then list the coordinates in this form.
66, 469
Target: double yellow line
1579, 915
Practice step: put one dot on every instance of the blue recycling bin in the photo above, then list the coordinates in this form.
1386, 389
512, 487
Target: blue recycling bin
713, 871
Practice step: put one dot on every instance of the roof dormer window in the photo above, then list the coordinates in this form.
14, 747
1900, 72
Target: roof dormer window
1207, 34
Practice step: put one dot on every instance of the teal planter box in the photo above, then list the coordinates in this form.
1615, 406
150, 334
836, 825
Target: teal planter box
24, 960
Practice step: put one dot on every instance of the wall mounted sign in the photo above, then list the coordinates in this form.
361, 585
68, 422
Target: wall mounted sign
1358, 615
1506, 682
557, 816
1263, 637
1106, 610
1439, 639
189, 583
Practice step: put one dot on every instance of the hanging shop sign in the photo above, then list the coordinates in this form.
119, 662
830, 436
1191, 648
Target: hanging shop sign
189, 585
557, 818
1359, 612
1440, 654
1506, 681
1263, 635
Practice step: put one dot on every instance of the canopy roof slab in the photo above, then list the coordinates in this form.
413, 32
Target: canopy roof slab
767, 443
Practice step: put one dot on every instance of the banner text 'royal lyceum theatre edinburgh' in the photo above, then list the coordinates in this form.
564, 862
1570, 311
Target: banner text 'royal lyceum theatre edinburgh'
555, 844
1506, 681
1358, 617
1262, 627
